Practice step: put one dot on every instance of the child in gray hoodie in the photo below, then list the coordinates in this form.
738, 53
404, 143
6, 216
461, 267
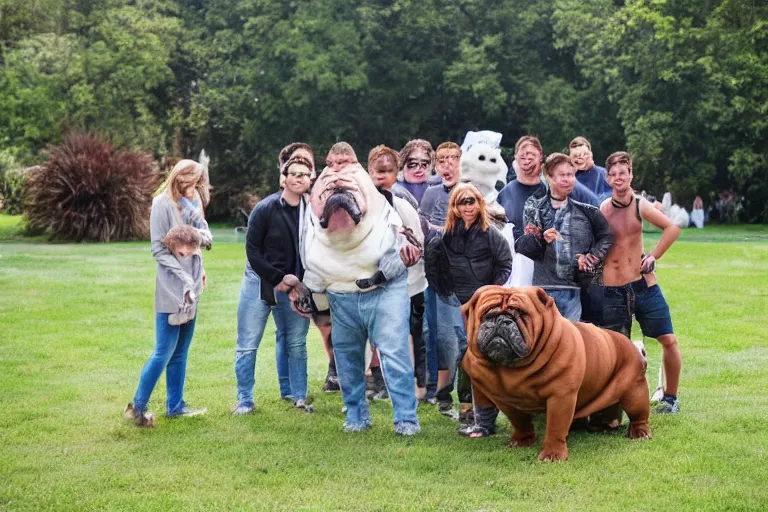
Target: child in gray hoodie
184, 242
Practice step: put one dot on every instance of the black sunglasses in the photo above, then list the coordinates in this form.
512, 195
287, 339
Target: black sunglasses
467, 201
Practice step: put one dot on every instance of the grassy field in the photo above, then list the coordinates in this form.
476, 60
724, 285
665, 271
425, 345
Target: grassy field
76, 325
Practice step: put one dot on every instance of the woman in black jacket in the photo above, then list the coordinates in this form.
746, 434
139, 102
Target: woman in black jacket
469, 254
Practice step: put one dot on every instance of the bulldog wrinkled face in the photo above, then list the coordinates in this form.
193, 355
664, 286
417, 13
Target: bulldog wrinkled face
499, 338
339, 198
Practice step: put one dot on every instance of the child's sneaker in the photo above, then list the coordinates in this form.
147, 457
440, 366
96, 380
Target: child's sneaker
668, 405
141, 419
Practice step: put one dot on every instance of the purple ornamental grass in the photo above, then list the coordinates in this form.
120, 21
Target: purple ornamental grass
89, 192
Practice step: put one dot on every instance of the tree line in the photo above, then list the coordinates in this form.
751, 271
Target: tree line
682, 85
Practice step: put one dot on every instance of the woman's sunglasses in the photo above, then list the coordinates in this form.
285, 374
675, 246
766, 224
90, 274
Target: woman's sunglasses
467, 201
415, 164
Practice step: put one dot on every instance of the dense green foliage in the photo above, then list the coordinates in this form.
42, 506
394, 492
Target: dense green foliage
682, 85
11, 184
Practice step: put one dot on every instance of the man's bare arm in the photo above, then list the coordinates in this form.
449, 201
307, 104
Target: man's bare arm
670, 232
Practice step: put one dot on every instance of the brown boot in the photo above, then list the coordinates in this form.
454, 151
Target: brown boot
141, 419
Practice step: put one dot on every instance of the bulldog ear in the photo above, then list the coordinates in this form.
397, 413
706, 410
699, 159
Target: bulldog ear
544, 298
466, 308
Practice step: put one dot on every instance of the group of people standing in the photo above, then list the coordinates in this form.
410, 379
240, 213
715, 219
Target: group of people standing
580, 230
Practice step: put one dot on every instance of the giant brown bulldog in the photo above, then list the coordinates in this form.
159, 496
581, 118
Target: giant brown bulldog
526, 358
355, 252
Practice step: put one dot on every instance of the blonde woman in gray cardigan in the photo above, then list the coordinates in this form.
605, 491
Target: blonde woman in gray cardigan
175, 287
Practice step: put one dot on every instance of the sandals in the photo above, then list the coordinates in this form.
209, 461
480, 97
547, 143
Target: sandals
476, 431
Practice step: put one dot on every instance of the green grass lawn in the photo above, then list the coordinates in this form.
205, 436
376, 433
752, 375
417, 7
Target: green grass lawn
76, 326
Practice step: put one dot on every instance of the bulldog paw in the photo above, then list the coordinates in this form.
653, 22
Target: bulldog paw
521, 439
554, 454
301, 300
639, 431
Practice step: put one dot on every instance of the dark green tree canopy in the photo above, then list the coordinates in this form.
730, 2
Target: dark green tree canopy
681, 85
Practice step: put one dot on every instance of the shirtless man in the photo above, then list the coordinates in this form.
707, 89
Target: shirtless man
628, 275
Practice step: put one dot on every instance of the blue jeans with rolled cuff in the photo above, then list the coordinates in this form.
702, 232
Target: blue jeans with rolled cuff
170, 354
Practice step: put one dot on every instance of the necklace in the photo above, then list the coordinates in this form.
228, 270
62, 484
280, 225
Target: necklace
618, 204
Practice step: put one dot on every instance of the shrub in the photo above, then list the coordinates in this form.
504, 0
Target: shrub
231, 204
88, 191
11, 191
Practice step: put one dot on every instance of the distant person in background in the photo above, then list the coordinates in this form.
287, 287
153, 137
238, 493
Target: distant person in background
697, 212
417, 161
175, 285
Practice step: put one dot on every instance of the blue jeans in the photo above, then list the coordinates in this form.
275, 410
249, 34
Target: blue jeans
252, 315
451, 340
281, 360
568, 302
430, 330
170, 354
381, 315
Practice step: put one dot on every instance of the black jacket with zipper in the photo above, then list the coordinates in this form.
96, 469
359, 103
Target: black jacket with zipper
463, 260
272, 243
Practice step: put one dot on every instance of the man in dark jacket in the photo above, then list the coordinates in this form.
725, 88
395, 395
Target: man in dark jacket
563, 237
273, 267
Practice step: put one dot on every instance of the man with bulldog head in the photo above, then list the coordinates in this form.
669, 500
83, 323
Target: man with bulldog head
355, 252
339, 156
